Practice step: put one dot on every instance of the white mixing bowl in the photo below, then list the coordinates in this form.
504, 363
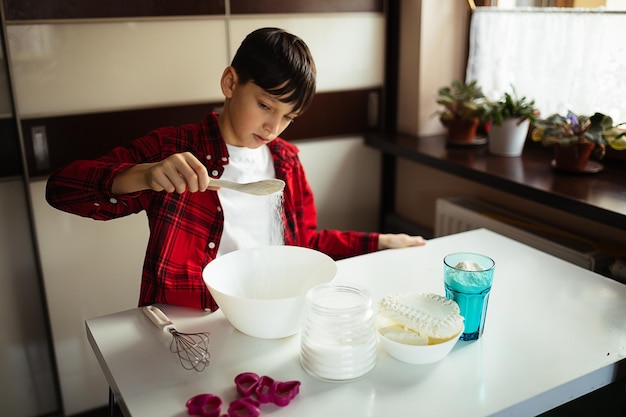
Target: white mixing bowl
261, 290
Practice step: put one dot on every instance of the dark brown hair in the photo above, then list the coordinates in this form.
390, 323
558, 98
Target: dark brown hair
278, 62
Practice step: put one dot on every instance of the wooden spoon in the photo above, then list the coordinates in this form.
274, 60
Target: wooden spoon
263, 187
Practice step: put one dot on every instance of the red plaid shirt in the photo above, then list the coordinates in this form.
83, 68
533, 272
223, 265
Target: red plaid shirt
185, 229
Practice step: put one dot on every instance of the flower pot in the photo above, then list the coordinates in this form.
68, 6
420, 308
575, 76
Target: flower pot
573, 158
509, 138
461, 130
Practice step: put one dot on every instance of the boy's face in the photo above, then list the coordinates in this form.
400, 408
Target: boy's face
253, 116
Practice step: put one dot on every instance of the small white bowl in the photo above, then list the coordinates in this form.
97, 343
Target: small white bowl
261, 290
418, 354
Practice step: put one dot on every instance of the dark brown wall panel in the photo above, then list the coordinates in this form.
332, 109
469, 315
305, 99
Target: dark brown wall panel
304, 6
10, 161
88, 136
334, 114
16, 10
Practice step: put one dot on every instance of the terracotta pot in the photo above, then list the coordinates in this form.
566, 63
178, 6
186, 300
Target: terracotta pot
460, 130
574, 157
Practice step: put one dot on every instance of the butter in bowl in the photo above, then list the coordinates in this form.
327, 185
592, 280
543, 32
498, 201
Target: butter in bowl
418, 328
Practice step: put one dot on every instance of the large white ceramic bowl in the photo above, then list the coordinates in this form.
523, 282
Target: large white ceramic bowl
261, 290
418, 354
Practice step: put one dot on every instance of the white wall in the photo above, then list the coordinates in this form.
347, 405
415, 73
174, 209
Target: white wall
93, 268
432, 55
345, 177
69, 68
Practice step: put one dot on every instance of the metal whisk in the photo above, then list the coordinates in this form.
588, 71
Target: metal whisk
192, 348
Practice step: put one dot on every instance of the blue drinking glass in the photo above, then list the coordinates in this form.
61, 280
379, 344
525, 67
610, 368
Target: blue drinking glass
467, 280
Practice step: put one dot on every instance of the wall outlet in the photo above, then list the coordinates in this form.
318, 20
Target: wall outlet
40, 147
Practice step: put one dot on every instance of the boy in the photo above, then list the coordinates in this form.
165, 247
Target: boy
168, 172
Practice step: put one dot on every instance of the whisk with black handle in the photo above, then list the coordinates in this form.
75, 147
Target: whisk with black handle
192, 348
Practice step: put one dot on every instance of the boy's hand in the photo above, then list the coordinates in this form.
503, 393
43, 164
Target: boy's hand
177, 173
400, 240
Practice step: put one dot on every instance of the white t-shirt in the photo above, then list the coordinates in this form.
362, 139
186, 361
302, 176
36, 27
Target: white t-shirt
249, 220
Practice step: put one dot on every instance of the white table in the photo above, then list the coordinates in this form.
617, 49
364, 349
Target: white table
554, 332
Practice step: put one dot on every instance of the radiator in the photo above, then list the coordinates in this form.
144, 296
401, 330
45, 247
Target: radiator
458, 214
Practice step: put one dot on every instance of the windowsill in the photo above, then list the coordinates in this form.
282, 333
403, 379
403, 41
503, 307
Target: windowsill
600, 197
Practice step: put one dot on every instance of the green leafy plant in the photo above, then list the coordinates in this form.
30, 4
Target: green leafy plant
616, 136
573, 129
510, 106
461, 101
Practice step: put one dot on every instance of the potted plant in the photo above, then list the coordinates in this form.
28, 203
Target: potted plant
463, 108
509, 120
574, 137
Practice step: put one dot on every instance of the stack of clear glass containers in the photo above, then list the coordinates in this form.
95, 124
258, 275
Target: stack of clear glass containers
338, 338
